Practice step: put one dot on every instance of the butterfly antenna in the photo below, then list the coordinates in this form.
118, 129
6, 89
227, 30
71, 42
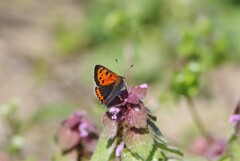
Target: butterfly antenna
120, 70
128, 69
118, 66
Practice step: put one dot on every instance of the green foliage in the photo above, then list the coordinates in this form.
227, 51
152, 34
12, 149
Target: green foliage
104, 149
145, 143
70, 39
165, 35
51, 111
16, 140
9, 108
200, 47
19, 127
185, 27
202, 42
139, 143
138, 148
128, 156
232, 153
186, 82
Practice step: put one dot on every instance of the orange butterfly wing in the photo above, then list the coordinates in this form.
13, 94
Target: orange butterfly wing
104, 76
99, 95
108, 84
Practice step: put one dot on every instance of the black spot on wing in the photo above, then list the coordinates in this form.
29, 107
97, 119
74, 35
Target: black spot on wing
99, 70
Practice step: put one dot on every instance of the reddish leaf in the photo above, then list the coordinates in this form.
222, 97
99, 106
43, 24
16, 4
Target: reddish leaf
137, 116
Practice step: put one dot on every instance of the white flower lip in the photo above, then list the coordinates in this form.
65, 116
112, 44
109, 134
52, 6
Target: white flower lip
144, 85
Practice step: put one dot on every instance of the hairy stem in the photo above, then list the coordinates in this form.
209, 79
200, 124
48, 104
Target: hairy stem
196, 118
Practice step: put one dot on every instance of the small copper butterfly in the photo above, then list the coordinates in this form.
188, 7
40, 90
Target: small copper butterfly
108, 84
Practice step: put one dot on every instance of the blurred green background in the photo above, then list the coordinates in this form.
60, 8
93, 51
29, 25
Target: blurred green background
181, 48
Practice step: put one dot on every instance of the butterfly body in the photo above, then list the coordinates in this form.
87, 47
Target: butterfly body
108, 84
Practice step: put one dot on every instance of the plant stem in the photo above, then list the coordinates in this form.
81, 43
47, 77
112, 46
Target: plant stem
196, 118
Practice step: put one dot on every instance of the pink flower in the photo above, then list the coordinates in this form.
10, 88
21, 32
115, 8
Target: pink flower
119, 149
130, 113
129, 127
209, 147
3, 157
76, 132
137, 93
114, 111
235, 118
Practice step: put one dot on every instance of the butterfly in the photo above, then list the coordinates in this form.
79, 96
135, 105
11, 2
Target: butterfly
109, 85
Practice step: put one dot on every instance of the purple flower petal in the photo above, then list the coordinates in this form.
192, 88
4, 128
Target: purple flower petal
67, 138
77, 130
209, 147
119, 149
234, 119
83, 129
137, 93
133, 99
79, 114
114, 111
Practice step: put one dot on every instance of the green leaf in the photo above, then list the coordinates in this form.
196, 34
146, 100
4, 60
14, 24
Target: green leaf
157, 132
168, 148
232, 152
104, 149
155, 155
126, 155
139, 141
226, 158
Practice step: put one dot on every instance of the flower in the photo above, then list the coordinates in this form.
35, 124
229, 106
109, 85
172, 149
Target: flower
210, 147
131, 109
78, 133
129, 130
3, 156
119, 149
128, 118
235, 118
